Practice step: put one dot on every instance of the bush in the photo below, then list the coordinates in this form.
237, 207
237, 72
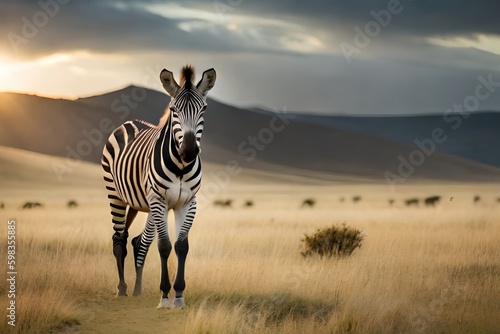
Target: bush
335, 241
308, 202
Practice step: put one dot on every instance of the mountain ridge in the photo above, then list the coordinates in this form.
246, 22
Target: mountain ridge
474, 137
274, 141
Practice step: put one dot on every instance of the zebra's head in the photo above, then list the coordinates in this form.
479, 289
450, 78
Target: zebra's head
187, 104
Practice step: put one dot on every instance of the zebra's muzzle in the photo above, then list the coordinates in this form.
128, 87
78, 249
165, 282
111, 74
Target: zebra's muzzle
189, 148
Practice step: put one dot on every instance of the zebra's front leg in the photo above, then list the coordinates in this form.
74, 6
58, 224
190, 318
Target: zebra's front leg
183, 220
164, 248
181, 250
141, 245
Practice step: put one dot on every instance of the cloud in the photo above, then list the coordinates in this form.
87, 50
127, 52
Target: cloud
419, 18
133, 26
288, 26
325, 84
91, 25
427, 57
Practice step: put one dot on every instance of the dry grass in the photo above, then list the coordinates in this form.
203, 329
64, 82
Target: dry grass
419, 270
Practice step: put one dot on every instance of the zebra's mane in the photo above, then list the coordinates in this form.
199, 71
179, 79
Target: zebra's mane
187, 76
164, 118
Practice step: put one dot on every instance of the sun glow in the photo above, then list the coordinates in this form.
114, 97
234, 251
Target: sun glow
59, 75
7, 71
9, 68
6, 65
3, 66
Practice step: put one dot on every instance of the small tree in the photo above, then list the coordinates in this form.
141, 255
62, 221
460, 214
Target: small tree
335, 241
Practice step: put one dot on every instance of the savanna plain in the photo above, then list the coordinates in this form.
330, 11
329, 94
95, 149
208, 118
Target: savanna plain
420, 269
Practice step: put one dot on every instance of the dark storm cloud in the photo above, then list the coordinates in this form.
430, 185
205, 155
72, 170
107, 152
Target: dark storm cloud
102, 26
419, 17
111, 25
401, 71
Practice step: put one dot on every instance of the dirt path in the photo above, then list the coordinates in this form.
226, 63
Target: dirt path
107, 314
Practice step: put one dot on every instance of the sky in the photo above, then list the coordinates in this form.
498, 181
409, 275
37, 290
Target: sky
322, 56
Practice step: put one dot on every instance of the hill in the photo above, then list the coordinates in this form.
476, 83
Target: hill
476, 137
277, 143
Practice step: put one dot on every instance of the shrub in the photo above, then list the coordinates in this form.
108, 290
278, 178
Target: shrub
335, 241
308, 202
412, 201
225, 203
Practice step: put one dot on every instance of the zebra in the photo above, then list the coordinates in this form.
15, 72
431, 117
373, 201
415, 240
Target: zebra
157, 168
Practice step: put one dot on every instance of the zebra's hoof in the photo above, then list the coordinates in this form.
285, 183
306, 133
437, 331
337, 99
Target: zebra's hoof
179, 302
165, 303
122, 289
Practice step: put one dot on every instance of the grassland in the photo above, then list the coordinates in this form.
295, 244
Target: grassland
419, 269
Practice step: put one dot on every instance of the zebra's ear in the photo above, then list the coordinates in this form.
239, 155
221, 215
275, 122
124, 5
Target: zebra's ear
168, 81
207, 81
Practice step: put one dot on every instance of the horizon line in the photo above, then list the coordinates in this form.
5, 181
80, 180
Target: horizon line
254, 108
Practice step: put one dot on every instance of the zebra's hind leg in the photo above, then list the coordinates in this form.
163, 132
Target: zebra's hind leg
120, 236
138, 269
120, 252
141, 245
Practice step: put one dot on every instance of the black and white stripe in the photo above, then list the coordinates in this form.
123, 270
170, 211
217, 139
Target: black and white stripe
155, 168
